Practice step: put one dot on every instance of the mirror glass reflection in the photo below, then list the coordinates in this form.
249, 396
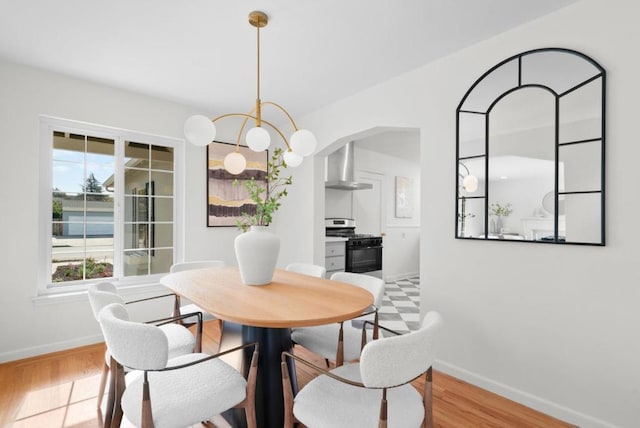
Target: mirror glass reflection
530, 134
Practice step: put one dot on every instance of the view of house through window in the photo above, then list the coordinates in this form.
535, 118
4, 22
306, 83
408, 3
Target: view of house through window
82, 208
91, 239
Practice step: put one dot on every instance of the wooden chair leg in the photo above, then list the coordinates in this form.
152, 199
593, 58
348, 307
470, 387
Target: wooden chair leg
147, 415
383, 410
111, 394
220, 325
288, 396
103, 383
198, 347
119, 390
176, 309
428, 399
249, 402
376, 330
340, 351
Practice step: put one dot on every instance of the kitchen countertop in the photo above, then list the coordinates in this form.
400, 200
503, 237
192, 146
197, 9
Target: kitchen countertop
335, 239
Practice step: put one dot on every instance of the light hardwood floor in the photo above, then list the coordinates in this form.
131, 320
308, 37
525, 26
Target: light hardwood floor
59, 390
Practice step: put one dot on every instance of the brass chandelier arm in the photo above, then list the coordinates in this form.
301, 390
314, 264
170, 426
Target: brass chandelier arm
247, 117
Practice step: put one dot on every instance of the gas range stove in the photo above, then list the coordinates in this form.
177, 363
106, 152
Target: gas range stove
363, 251
346, 228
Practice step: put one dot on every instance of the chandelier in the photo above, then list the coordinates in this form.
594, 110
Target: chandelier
200, 130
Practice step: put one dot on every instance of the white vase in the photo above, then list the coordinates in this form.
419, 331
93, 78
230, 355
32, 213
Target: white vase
257, 253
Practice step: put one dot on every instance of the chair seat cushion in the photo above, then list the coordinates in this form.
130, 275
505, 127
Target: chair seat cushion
181, 340
185, 396
323, 340
328, 403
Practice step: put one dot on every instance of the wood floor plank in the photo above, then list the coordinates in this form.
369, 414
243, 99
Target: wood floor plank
59, 390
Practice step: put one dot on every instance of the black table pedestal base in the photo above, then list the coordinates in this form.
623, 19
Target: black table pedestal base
269, 397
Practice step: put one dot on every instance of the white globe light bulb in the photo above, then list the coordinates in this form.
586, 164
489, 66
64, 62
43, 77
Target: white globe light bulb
199, 130
258, 139
235, 163
292, 159
303, 142
470, 183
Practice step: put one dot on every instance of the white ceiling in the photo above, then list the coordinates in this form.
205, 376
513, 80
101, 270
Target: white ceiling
202, 52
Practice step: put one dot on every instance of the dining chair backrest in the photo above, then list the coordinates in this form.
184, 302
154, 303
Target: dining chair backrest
307, 269
370, 283
200, 264
133, 344
397, 360
102, 294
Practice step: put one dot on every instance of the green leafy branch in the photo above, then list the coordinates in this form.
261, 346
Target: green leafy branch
267, 199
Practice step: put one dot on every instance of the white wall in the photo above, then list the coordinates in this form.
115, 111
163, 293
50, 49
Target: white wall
554, 327
27, 328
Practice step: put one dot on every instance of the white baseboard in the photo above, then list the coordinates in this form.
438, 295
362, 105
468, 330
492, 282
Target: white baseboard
400, 276
540, 404
48, 348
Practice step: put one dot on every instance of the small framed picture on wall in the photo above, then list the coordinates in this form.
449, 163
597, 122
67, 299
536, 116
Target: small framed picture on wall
404, 197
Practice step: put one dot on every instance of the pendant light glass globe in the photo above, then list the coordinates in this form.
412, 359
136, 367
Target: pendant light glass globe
470, 183
199, 130
303, 142
258, 139
235, 163
292, 159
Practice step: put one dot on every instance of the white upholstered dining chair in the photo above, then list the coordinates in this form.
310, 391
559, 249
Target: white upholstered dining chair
343, 341
376, 391
180, 340
170, 392
307, 269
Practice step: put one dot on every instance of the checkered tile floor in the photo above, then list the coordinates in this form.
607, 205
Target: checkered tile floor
401, 305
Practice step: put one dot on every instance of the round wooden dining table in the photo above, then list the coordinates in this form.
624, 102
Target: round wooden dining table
267, 313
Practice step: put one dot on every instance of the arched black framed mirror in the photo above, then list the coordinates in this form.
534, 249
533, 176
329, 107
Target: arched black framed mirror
530, 154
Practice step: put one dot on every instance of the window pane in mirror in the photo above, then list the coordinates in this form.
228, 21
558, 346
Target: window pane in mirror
583, 217
492, 86
581, 167
581, 113
471, 218
558, 70
471, 177
521, 163
471, 134
523, 124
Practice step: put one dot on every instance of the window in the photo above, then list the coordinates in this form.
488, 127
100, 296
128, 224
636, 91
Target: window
111, 206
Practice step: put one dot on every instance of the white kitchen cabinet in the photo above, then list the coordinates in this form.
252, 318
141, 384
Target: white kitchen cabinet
334, 257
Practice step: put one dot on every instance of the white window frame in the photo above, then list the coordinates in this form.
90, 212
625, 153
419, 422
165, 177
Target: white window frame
48, 124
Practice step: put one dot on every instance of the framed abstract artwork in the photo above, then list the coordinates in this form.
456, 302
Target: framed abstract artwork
227, 201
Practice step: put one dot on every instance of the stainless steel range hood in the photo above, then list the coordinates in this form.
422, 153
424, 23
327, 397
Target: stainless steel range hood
340, 174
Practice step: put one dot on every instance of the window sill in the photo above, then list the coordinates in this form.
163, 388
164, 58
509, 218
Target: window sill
60, 297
